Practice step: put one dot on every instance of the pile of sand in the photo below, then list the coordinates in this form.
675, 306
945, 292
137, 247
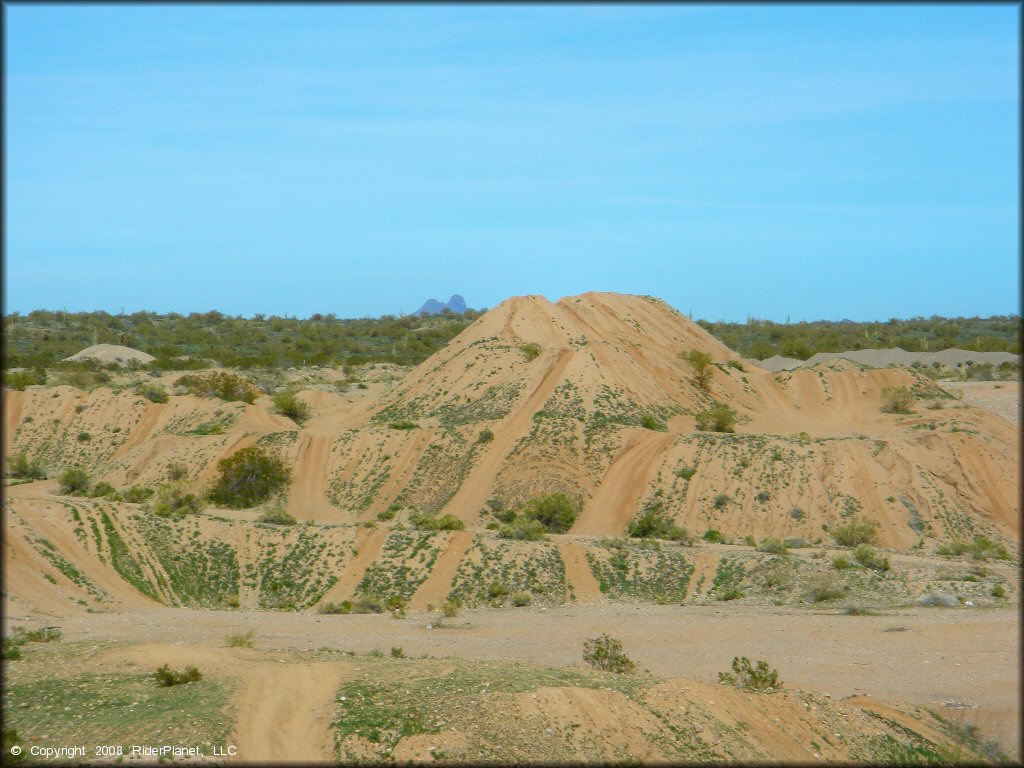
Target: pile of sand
112, 353
883, 358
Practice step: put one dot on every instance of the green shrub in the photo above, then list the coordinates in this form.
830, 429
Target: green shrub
431, 523
686, 472
718, 418
288, 404
397, 653
367, 604
12, 649
797, 514
403, 424
840, 563
176, 471
774, 546
74, 481
521, 599
485, 436
981, 548
858, 531
21, 466
998, 591
651, 422
824, 588
653, 522
496, 590
44, 634
531, 350
712, 536
731, 593
152, 392
345, 606
242, 640
735, 364
745, 675
605, 653
869, 557
227, 386
556, 512
720, 501
386, 514
173, 499
137, 494
249, 477
277, 514
21, 379
167, 677
763, 496
451, 607
84, 437
102, 489
896, 399
700, 363
522, 529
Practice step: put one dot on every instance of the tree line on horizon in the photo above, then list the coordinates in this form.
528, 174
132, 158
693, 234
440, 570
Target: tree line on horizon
43, 338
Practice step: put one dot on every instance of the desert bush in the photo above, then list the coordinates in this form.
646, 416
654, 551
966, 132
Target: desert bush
432, 523
651, 422
998, 591
718, 418
403, 424
277, 514
735, 364
981, 548
152, 392
754, 678
288, 404
712, 536
778, 574
84, 437
797, 514
44, 634
386, 514
870, 557
137, 494
176, 471
825, 587
774, 546
858, 531
686, 472
497, 590
167, 677
450, 608
367, 604
173, 499
730, 593
345, 606
932, 600
531, 350
397, 652
763, 496
21, 379
521, 599
103, 489
700, 364
21, 466
485, 436
720, 501
556, 512
242, 640
249, 477
840, 563
74, 481
653, 522
227, 386
12, 649
896, 399
605, 653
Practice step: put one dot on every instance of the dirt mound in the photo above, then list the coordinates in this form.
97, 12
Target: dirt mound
112, 353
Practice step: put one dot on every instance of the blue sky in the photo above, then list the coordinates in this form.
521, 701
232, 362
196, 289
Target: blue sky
817, 162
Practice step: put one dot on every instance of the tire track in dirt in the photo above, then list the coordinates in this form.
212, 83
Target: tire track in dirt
307, 498
704, 567
285, 711
142, 430
368, 551
439, 583
615, 502
14, 402
478, 485
577, 571
402, 471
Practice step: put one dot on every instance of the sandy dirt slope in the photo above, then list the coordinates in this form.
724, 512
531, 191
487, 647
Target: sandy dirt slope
475, 491
618, 497
307, 499
368, 544
578, 575
438, 584
13, 403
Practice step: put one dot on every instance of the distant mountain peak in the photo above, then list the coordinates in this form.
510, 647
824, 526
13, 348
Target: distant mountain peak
456, 304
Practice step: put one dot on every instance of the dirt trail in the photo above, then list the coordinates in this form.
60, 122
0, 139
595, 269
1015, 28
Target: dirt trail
284, 713
402, 470
307, 499
369, 548
615, 502
283, 710
704, 567
13, 403
439, 583
577, 571
141, 432
477, 487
